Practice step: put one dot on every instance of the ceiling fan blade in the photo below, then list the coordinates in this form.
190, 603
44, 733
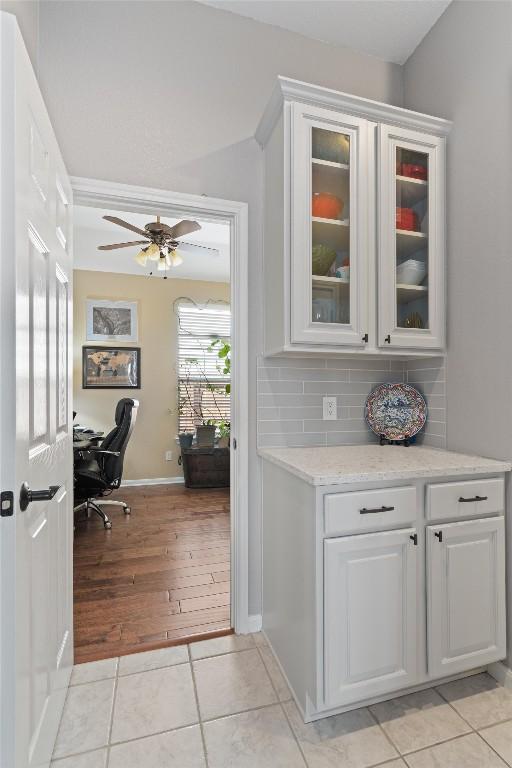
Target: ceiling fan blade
125, 224
122, 245
181, 229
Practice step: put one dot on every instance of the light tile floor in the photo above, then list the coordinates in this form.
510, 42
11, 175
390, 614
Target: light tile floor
224, 703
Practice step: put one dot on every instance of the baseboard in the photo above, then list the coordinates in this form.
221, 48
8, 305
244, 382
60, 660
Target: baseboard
155, 481
254, 622
501, 673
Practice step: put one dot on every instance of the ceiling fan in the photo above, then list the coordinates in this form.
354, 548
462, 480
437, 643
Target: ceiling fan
161, 241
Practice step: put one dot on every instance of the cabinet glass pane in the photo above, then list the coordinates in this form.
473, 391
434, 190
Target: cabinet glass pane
330, 227
412, 238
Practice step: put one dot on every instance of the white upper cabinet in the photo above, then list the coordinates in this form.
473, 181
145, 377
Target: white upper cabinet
328, 227
411, 215
353, 225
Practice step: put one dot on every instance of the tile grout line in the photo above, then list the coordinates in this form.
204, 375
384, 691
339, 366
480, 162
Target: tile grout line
112, 713
281, 704
386, 736
196, 695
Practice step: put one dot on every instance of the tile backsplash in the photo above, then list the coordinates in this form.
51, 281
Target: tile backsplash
290, 392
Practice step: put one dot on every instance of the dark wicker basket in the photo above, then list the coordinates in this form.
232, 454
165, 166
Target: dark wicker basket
205, 467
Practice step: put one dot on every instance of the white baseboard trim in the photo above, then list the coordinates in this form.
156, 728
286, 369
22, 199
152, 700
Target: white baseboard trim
501, 673
254, 622
155, 481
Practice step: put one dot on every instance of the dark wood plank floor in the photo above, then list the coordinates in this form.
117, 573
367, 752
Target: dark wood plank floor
159, 576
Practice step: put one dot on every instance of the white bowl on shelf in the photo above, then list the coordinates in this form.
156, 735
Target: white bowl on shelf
411, 272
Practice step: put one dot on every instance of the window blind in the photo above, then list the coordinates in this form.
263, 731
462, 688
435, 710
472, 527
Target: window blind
201, 380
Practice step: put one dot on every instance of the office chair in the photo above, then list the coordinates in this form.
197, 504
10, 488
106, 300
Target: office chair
100, 470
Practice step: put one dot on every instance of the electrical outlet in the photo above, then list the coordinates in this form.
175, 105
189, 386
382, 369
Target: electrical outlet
330, 409
168, 455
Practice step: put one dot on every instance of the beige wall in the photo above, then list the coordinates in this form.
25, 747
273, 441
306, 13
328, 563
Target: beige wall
156, 428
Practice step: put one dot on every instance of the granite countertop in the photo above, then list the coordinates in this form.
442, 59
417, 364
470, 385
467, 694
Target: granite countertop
338, 465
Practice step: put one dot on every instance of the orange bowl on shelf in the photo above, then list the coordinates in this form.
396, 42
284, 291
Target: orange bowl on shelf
407, 219
326, 206
414, 171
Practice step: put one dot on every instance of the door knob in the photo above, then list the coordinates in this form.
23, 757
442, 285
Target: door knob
26, 495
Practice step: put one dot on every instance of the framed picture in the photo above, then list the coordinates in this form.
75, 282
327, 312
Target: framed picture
111, 367
111, 320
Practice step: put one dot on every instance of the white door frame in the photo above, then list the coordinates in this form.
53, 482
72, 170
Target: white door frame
103, 194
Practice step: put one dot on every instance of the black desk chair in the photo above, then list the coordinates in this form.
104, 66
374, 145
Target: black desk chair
100, 469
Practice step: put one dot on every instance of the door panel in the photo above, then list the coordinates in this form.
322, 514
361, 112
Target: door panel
466, 595
329, 303
35, 437
370, 615
411, 239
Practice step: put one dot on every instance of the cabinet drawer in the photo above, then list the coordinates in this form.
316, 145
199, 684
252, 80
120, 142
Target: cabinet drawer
465, 499
369, 510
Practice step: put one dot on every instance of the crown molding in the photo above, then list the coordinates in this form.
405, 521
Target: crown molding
288, 90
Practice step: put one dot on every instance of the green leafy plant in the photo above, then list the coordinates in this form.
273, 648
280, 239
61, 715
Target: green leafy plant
223, 349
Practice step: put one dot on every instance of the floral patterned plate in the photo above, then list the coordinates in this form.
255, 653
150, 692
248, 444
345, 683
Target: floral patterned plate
395, 411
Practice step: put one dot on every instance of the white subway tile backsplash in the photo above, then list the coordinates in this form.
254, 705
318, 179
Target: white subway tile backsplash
290, 392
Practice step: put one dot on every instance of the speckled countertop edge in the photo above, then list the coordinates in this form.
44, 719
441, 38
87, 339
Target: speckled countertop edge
457, 464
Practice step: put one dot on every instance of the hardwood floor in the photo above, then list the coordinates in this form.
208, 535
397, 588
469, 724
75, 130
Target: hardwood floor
159, 576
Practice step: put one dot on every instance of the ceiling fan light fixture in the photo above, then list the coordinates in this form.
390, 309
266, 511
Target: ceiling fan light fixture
162, 264
142, 257
153, 252
176, 258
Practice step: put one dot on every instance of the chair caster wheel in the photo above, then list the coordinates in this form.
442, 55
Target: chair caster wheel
108, 526
127, 510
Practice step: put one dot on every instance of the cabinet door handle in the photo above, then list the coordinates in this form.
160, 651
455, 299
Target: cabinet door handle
387, 340
365, 338
365, 511
414, 539
474, 498
439, 535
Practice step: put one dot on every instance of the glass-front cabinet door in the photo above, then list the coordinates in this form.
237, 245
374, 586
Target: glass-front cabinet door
411, 239
328, 228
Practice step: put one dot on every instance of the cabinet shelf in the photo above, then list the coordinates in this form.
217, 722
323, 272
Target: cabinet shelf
330, 164
331, 232
407, 242
338, 284
409, 191
406, 293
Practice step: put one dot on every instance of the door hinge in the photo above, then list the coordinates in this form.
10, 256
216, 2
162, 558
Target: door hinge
6, 504
414, 539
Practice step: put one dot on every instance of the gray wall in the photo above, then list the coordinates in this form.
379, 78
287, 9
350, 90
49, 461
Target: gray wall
468, 56
178, 111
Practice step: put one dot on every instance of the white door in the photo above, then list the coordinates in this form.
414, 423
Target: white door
35, 421
370, 615
466, 595
329, 259
411, 208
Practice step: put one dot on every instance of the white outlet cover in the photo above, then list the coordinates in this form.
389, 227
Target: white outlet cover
330, 409
168, 455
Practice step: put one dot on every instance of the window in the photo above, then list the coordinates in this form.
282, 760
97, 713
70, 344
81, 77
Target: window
202, 376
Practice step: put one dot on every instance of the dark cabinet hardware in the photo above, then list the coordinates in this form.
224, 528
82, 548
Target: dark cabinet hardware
414, 539
474, 498
387, 340
365, 511
439, 535
6, 504
27, 496
365, 338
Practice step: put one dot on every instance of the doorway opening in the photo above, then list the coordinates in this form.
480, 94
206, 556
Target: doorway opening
161, 569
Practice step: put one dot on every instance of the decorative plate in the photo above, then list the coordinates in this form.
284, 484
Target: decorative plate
396, 411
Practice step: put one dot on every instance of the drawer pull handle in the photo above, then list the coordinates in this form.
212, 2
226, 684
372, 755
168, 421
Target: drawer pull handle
474, 498
365, 511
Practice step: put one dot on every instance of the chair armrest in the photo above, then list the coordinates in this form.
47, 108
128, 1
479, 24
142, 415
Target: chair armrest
92, 449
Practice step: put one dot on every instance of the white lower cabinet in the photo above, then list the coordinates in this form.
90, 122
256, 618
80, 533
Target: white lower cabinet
465, 595
369, 615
